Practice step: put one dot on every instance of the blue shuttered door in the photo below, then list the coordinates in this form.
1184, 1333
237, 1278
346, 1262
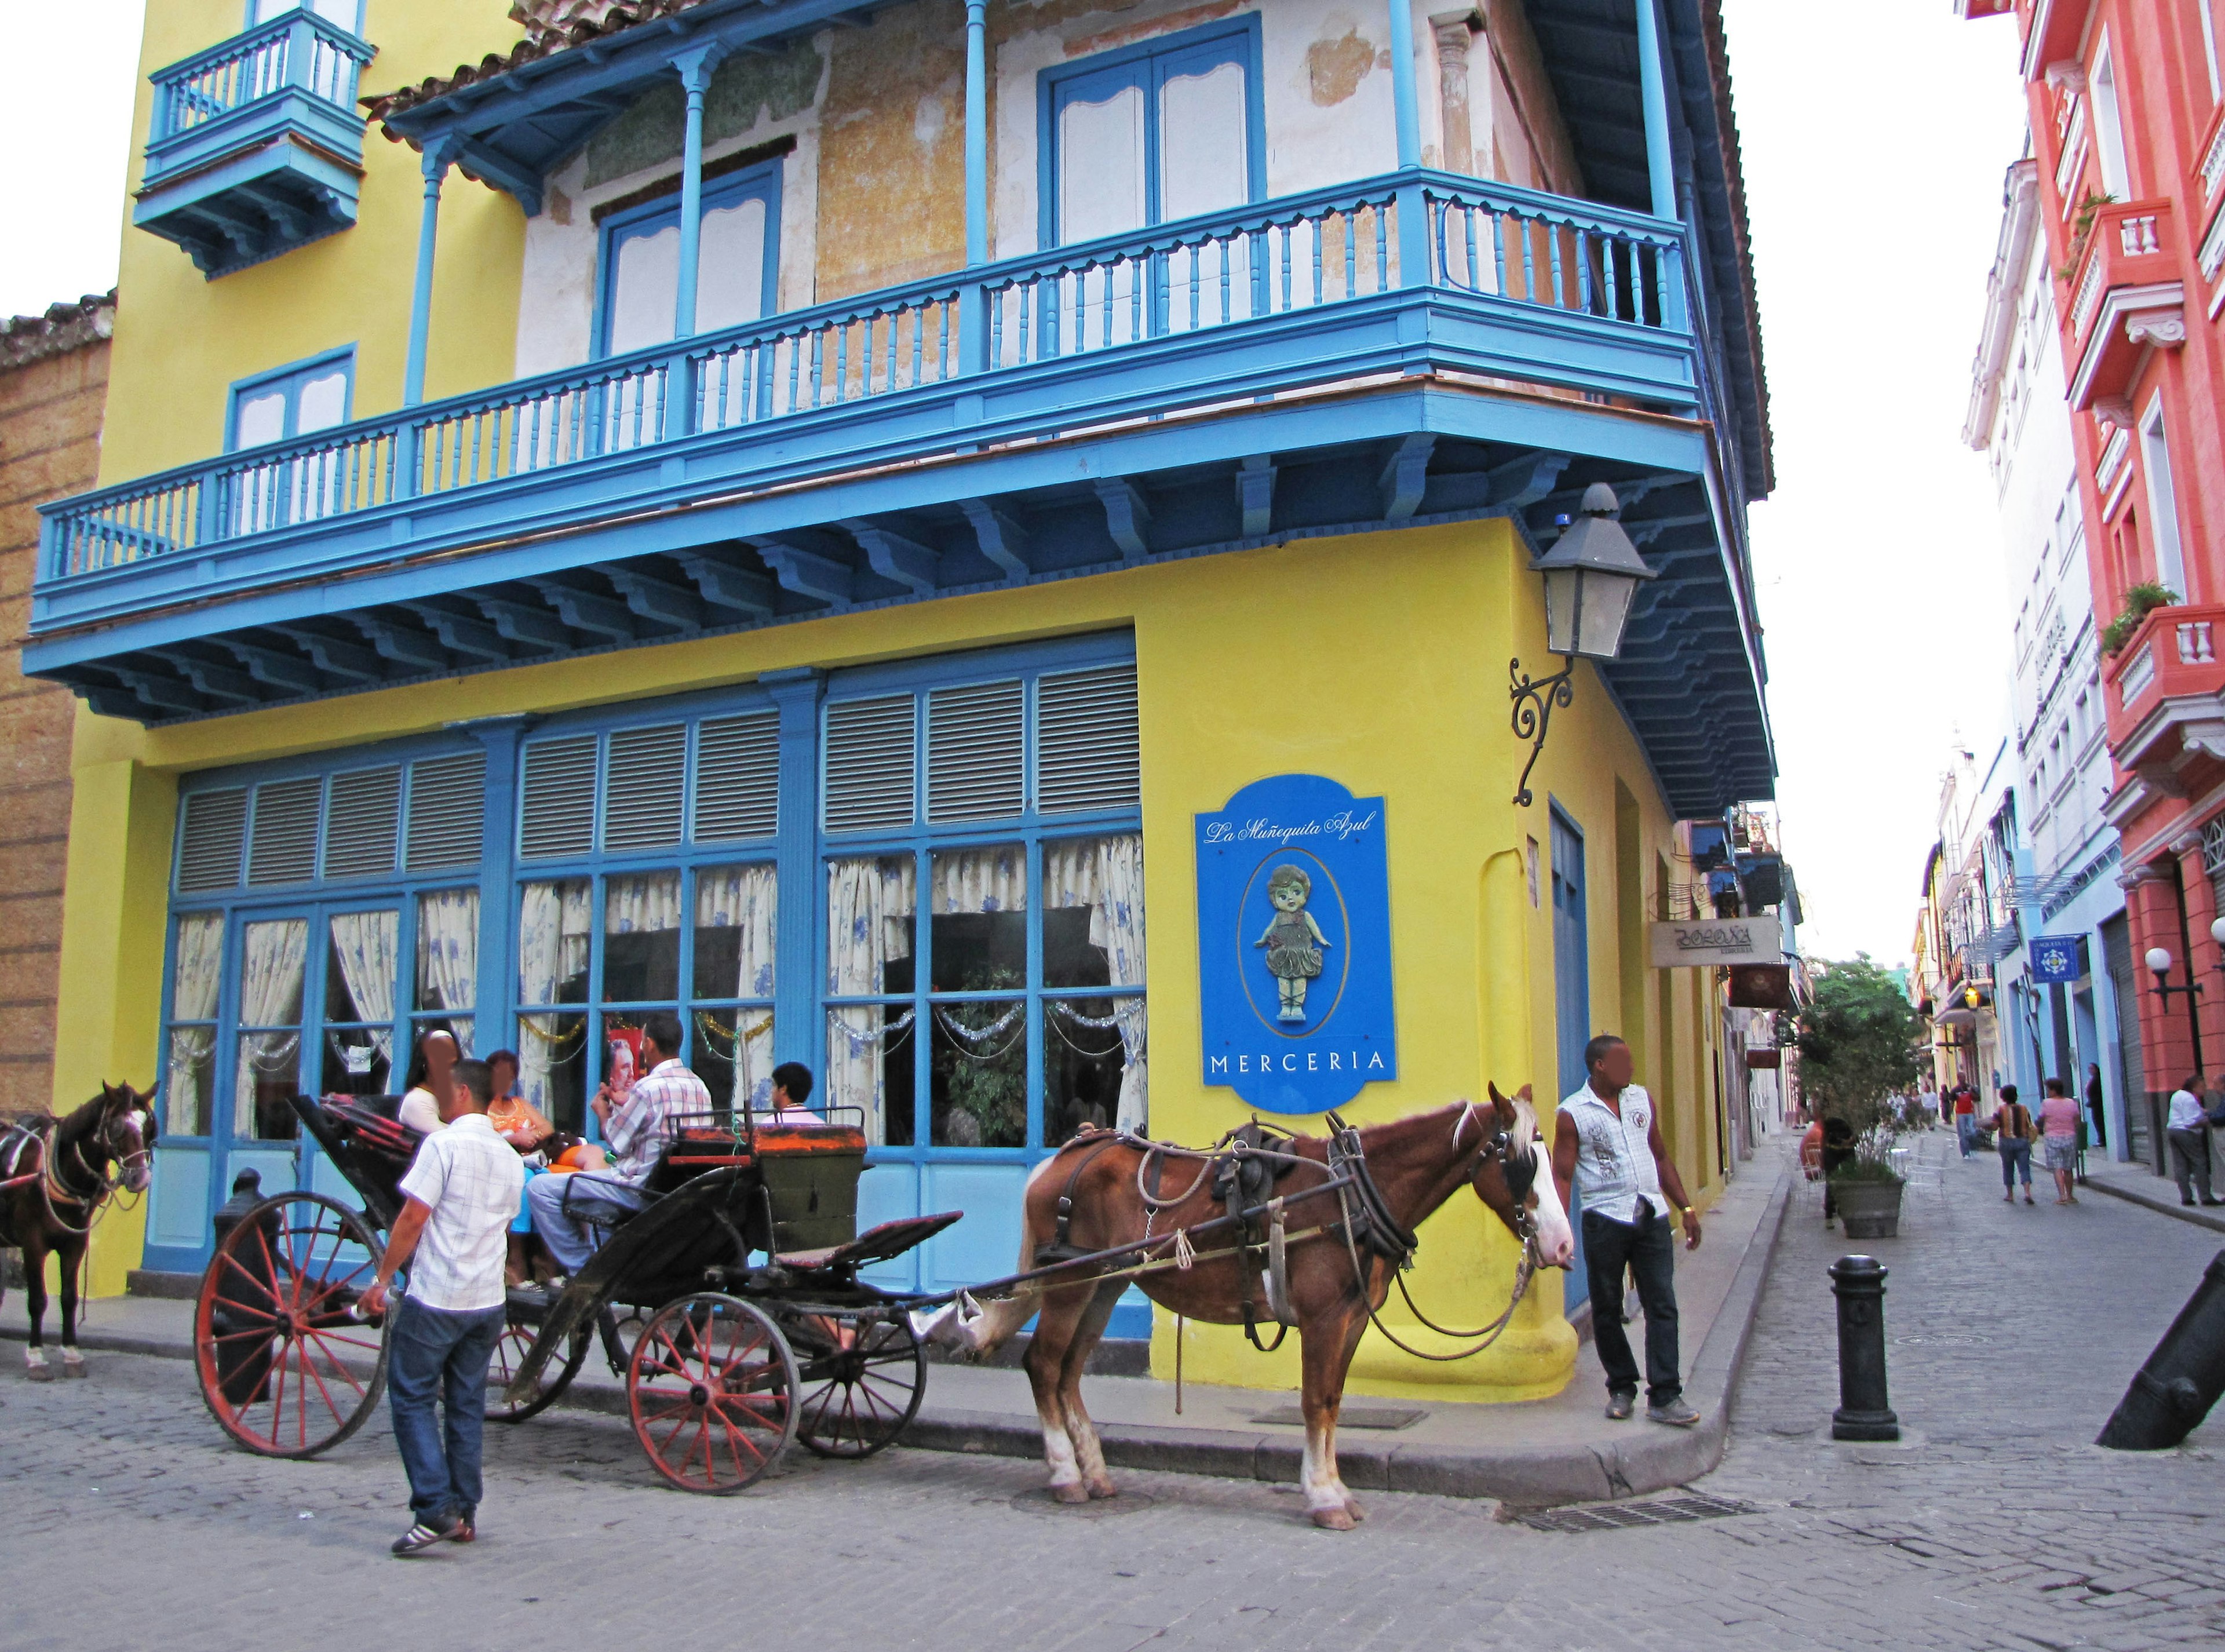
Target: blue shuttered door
1572, 989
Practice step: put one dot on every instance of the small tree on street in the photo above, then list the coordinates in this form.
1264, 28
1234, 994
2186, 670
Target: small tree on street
1861, 1043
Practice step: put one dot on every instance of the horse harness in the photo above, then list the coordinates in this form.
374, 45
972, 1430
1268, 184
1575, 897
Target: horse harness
17, 1143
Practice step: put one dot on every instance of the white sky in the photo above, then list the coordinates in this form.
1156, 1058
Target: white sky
1875, 198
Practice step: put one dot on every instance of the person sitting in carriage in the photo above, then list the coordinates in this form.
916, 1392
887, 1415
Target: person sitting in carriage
570, 1212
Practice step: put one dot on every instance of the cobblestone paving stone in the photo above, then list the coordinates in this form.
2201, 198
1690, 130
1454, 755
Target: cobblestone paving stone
1995, 1524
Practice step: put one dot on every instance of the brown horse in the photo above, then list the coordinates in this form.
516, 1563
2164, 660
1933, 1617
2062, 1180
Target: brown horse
1343, 1249
54, 1177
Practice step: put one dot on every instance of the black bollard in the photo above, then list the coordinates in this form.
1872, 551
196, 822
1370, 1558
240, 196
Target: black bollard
2172, 1394
1859, 1284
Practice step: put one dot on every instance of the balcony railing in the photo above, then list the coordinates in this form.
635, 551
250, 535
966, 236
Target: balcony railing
255, 145
1562, 294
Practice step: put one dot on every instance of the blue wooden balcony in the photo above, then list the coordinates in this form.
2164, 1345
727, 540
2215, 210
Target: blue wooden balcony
1416, 347
255, 146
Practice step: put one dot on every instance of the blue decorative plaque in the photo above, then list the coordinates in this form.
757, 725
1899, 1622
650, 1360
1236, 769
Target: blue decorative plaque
2058, 958
1294, 944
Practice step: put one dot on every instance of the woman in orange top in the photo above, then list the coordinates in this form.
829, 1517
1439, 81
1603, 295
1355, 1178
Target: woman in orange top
526, 1128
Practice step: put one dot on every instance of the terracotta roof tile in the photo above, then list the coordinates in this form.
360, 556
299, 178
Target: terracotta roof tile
64, 328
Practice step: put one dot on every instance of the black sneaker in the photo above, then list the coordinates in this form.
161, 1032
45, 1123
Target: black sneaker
1675, 1413
1620, 1406
421, 1537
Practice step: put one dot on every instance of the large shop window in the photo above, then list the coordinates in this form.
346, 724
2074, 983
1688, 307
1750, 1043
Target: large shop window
305, 902
737, 262
598, 951
985, 958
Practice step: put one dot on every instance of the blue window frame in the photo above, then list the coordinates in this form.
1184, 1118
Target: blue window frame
1166, 129
296, 400
738, 262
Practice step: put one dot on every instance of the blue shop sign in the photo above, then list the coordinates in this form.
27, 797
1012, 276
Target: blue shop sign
1294, 944
2058, 958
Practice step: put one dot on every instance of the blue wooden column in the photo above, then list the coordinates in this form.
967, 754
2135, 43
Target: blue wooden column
973, 310
498, 971
421, 298
695, 66
1653, 101
1406, 114
798, 1029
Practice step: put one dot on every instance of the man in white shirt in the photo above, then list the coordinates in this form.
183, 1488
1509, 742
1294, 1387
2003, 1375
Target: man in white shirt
1607, 1141
2187, 1129
462, 1194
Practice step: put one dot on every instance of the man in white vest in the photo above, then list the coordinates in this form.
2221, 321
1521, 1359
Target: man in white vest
1607, 1141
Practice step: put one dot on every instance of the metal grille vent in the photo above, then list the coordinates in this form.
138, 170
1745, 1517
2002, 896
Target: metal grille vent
869, 763
1616, 1516
211, 836
364, 823
646, 786
282, 846
558, 810
738, 777
976, 752
448, 810
1086, 753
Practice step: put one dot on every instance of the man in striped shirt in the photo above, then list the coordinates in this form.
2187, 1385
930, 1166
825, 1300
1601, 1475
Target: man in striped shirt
568, 1210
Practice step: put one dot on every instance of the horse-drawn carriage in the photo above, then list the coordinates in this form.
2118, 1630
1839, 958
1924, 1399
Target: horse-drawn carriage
731, 1304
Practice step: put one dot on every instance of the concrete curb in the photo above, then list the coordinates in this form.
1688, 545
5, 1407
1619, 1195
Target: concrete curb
1651, 1460
2173, 1208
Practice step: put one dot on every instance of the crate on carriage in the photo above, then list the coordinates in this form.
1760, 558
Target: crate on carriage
804, 1169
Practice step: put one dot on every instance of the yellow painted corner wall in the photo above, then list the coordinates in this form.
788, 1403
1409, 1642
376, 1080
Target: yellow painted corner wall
181, 340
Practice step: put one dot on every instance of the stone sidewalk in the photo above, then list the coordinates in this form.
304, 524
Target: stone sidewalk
1548, 1451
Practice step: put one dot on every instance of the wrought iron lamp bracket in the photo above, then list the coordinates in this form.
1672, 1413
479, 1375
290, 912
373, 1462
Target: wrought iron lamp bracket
1533, 713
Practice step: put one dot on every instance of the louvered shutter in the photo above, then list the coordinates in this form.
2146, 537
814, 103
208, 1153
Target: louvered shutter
282, 846
869, 764
738, 777
448, 810
211, 838
976, 752
1086, 753
558, 809
364, 823
647, 778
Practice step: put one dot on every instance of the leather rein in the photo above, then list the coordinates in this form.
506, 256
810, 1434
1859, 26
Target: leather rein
53, 1177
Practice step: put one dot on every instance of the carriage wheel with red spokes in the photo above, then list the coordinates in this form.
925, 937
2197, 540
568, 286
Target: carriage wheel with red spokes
509, 1352
285, 1365
711, 1390
865, 1374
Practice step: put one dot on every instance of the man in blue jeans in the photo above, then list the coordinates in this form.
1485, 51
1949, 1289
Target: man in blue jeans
461, 1193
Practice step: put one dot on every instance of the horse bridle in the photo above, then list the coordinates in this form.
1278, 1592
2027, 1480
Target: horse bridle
55, 1185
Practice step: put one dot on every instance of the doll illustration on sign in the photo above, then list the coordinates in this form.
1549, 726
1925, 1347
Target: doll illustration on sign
1293, 940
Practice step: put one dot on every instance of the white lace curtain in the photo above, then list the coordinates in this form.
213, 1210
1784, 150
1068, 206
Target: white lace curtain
979, 880
746, 898
448, 956
196, 976
646, 903
270, 996
1106, 876
364, 949
556, 923
870, 906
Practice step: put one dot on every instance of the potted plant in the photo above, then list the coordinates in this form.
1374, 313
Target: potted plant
1860, 1044
2141, 601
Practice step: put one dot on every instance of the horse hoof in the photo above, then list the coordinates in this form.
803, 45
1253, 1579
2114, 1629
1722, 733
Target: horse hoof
1333, 1520
73, 1368
1076, 1492
1103, 1488
38, 1373
1351, 1507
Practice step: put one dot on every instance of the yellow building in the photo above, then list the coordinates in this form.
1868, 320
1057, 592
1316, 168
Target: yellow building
790, 511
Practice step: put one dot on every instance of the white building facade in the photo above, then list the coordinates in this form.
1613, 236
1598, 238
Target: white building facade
2064, 984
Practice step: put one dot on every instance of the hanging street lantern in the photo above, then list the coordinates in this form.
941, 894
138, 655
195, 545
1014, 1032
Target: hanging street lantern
1591, 579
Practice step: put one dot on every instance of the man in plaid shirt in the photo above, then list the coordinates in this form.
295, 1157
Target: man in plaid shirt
567, 1209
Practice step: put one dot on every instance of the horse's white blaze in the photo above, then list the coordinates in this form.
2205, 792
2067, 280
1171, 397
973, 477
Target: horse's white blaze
1556, 1241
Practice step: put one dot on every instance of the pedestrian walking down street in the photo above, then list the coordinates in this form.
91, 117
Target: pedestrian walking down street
2013, 1134
1966, 1118
1607, 1141
460, 1194
2095, 1105
2187, 1129
2059, 1121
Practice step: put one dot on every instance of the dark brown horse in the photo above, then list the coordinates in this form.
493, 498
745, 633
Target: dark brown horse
1341, 1255
54, 1177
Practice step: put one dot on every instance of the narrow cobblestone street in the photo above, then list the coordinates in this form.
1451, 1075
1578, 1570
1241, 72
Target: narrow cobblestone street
1994, 1524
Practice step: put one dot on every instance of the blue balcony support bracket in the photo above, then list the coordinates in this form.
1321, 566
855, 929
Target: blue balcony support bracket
795, 1034
435, 160
255, 146
1653, 101
695, 66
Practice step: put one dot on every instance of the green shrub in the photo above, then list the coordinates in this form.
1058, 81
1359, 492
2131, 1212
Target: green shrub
2141, 601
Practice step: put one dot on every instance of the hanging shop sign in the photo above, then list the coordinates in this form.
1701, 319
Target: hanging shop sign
1761, 986
1764, 1061
1294, 944
2058, 958
1715, 941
